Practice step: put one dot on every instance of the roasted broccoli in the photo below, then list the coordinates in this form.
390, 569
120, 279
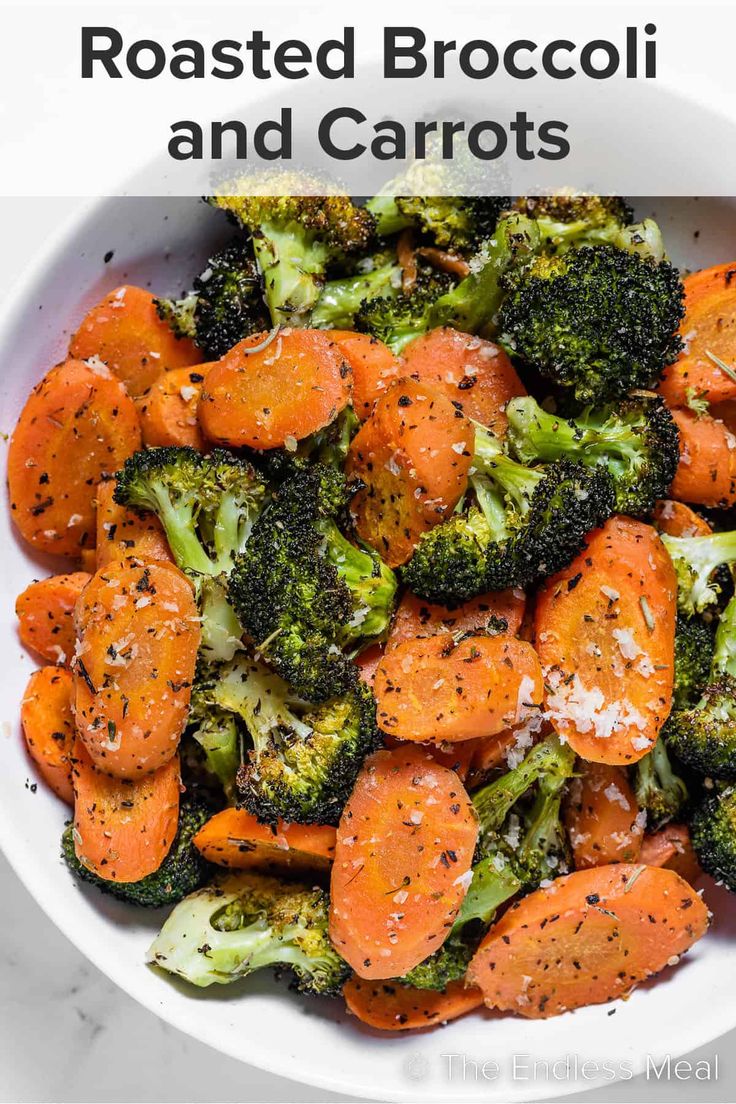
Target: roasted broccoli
597, 321
376, 277
207, 506
696, 561
328, 445
216, 732
182, 871
659, 790
577, 207
527, 524
225, 304
573, 219
693, 656
295, 238
305, 758
713, 834
456, 223
304, 593
636, 440
244, 922
704, 736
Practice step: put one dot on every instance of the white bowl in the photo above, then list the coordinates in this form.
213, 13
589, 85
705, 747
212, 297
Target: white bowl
162, 243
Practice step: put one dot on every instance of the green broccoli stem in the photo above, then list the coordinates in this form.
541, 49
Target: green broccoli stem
221, 630
695, 560
339, 299
180, 527
724, 653
535, 434
371, 582
658, 789
512, 482
389, 219
293, 271
494, 882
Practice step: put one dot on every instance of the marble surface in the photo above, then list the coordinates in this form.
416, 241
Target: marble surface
61, 1019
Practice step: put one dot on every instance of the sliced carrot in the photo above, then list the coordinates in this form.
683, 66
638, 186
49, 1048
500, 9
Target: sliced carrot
431, 690
168, 408
589, 937
234, 838
122, 533
123, 828
88, 560
48, 727
474, 373
270, 396
725, 412
125, 332
367, 662
138, 631
415, 618
389, 1006
493, 752
77, 425
374, 367
672, 848
709, 327
404, 849
456, 757
602, 817
678, 520
412, 456
45, 612
706, 473
605, 633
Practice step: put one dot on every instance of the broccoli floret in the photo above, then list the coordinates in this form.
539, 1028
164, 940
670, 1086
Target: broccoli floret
225, 304
597, 321
704, 736
568, 207
693, 656
244, 922
295, 238
328, 445
207, 506
528, 523
636, 440
659, 791
182, 871
713, 834
305, 758
454, 222
304, 593
217, 733
571, 220
398, 319
696, 561
377, 277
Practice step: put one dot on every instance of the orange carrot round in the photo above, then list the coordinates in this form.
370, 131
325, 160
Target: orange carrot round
492, 752
125, 331
48, 727
706, 474
474, 373
88, 560
672, 848
77, 425
138, 631
389, 1006
415, 618
168, 408
45, 612
707, 366
430, 690
412, 456
236, 839
605, 634
270, 396
679, 520
602, 817
404, 850
122, 533
123, 828
589, 937
367, 662
373, 364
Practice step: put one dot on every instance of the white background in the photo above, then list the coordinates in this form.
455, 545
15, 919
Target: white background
65, 1029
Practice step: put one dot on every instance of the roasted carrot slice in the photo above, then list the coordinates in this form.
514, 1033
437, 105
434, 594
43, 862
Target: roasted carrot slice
268, 396
672, 848
605, 633
77, 425
602, 817
404, 849
475, 374
48, 727
123, 827
367, 662
125, 332
45, 612
389, 1006
707, 366
415, 618
706, 474
412, 456
679, 520
88, 560
374, 368
234, 838
168, 408
430, 690
589, 937
456, 757
122, 533
138, 631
